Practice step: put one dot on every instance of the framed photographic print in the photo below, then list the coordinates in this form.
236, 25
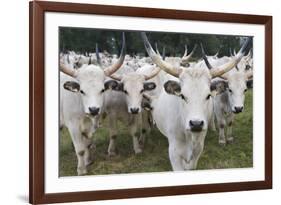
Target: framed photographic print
139, 102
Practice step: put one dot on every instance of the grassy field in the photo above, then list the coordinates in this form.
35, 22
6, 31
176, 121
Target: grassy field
155, 155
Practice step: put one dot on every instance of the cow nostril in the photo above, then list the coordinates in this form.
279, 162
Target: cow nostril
238, 109
134, 110
196, 125
94, 110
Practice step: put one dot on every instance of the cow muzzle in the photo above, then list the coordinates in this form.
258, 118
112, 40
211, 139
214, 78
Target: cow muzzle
196, 125
238, 109
94, 111
134, 110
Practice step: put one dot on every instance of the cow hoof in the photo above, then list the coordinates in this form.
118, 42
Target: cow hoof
230, 140
82, 171
138, 151
112, 154
222, 142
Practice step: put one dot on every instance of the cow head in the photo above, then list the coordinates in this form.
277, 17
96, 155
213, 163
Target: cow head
90, 83
193, 88
134, 85
193, 91
237, 84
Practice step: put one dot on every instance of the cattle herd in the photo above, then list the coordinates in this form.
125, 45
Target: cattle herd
182, 99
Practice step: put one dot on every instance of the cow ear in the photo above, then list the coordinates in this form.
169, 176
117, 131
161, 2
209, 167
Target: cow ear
172, 87
110, 85
149, 86
72, 86
248, 67
219, 86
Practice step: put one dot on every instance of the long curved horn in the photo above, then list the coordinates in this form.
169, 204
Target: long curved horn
116, 76
234, 52
205, 57
67, 58
153, 73
249, 55
187, 58
230, 52
164, 53
185, 51
68, 71
156, 48
110, 70
232, 63
217, 54
157, 58
98, 55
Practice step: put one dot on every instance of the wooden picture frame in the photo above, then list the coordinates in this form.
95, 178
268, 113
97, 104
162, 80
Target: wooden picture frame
37, 10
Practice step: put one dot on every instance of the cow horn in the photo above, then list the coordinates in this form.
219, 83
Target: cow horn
156, 48
185, 51
230, 52
98, 55
116, 76
249, 55
232, 63
186, 57
157, 58
153, 73
110, 70
68, 71
164, 53
205, 58
67, 58
217, 54
234, 52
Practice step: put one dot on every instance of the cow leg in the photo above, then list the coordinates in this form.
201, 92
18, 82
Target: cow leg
88, 160
220, 118
136, 133
146, 127
229, 134
198, 146
175, 157
88, 127
112, 136
221, 126
212, 123
80, 148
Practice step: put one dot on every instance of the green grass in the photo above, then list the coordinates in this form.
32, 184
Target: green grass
155, 155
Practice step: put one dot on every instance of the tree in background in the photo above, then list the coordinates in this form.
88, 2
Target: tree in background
82, 40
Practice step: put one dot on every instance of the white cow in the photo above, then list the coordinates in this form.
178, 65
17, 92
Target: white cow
230, 96
182, 112
125, 103
81, 102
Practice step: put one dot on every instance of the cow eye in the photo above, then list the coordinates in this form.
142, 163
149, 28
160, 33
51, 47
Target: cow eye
142, 91
182, 97
208, 97
230, 90
82, 92
102, 90
125, 91
245, 90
